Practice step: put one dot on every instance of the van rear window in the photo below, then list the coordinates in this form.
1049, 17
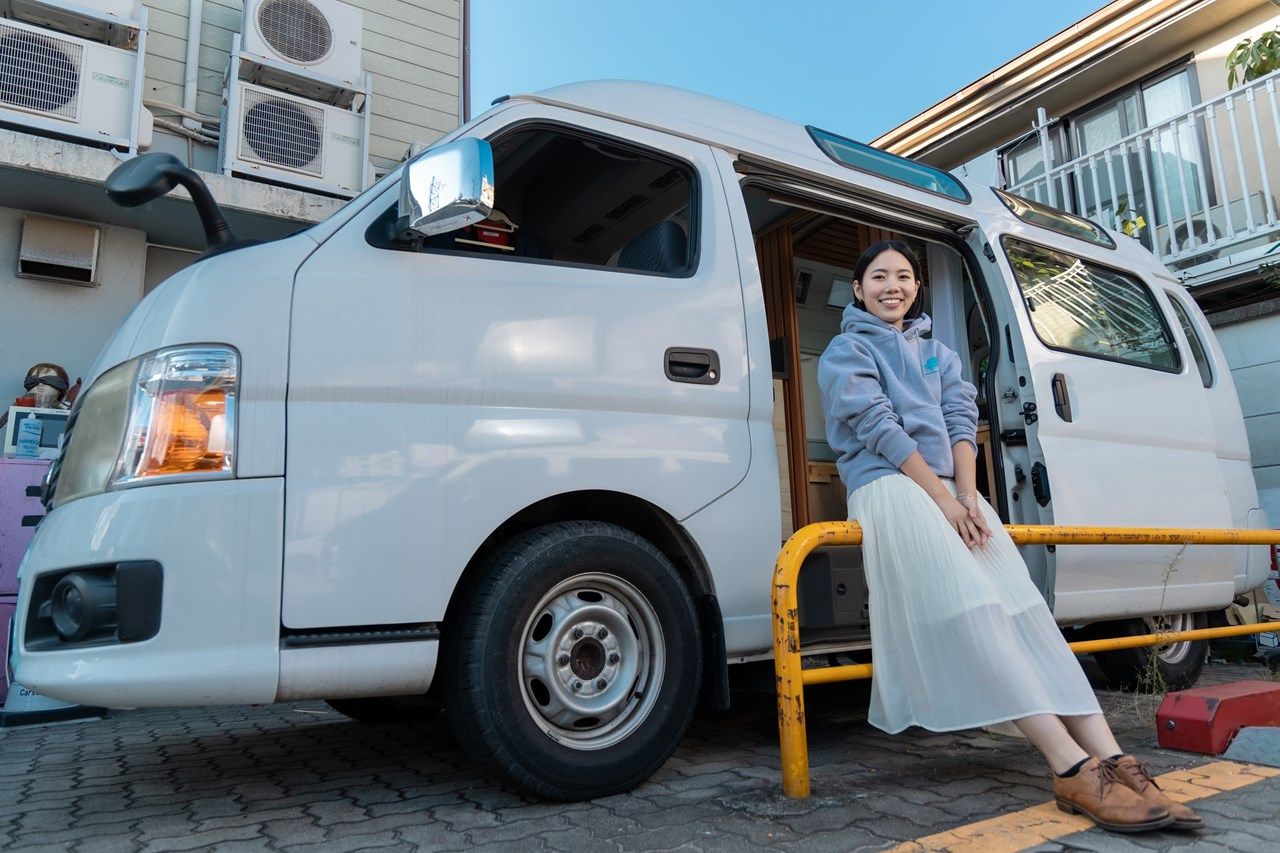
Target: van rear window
873, 161
1081, 307
1034, 213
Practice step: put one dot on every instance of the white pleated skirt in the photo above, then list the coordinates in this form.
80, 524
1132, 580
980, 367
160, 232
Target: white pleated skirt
960, 638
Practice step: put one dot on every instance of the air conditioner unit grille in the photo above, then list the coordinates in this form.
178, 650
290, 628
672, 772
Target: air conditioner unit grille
282, 132
40, 73
295, 29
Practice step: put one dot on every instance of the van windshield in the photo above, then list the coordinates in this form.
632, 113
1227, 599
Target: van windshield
900, 170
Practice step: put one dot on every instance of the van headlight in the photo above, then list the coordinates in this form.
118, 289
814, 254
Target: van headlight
166, 416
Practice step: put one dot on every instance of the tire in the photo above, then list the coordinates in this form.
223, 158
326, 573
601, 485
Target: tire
1177, 666
387, 709
573, 661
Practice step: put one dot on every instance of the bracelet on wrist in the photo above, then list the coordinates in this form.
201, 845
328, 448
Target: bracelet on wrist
963, 496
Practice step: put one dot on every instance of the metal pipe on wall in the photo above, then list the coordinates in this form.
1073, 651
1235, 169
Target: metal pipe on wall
191, 70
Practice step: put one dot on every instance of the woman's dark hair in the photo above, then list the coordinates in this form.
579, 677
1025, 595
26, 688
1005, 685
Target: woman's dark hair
877, 249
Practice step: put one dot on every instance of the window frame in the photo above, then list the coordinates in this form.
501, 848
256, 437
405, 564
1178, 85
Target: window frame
1195, 339
696, 181
1063, 129
1129, 274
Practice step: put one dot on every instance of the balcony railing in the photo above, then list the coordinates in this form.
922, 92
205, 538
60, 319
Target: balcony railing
1197, 189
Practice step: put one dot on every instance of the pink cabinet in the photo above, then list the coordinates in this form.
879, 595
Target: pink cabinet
15, 476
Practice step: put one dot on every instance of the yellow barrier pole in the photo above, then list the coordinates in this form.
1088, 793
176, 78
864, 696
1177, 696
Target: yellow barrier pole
786, 621
860, 671
786, 646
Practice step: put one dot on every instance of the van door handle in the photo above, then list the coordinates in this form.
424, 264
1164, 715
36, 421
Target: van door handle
693, 365
1061, 399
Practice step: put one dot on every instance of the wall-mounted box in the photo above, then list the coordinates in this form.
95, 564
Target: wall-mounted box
59, 250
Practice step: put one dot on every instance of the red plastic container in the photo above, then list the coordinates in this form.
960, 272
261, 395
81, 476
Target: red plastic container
1205, 719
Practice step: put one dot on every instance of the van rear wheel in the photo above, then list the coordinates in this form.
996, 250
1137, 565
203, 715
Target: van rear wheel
573, 661
1174, 666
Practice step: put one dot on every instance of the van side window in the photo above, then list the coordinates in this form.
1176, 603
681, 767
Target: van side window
1198, 351
572, 198
1089, 309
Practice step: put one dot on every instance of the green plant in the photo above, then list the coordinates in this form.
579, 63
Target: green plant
1129, 221
1253, 58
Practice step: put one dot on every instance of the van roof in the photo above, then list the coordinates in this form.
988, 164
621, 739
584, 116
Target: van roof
733, 127
770, 139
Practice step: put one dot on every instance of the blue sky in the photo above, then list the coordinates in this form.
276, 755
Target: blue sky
855, 67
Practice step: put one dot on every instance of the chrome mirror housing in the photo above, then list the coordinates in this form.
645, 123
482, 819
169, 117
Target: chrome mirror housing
446, 188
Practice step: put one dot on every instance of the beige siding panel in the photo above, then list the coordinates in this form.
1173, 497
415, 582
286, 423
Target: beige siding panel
410, 54
405, 112
446, 45
386, 153
386, 66
440, 16
417, 97
405, 131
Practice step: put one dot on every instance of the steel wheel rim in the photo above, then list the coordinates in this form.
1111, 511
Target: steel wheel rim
592, 656
1171, 653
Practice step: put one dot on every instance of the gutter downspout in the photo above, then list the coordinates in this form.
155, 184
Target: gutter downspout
466, 61
191, 70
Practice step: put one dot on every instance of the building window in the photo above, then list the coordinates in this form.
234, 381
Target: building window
1159, 182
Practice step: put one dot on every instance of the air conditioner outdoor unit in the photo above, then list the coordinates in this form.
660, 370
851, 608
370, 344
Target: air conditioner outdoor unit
275, 136
59, 84
307, 39
113, 22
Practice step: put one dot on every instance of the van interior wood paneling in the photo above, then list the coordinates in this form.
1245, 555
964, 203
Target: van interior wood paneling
777, 274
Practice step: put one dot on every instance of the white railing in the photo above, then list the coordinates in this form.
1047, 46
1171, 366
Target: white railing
1193, 188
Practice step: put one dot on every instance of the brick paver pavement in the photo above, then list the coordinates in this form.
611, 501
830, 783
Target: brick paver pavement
302, 777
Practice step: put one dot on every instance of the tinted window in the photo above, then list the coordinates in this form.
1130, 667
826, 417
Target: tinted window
1198, 350
577, 199
864, 158
1089, 309
1034, 213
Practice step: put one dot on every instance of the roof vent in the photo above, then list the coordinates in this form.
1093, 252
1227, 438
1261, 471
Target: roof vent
628, 206
59, 250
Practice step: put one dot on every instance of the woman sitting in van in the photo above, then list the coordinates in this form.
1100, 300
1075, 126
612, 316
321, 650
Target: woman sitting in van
961, 638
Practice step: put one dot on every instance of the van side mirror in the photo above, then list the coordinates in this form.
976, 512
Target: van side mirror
446, 188
147, 177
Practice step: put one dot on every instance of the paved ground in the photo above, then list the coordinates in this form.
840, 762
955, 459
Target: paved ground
302, 777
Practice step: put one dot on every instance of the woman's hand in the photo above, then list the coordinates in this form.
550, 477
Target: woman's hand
967, 520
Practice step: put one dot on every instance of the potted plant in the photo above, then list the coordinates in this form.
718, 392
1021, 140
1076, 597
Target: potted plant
1253, 58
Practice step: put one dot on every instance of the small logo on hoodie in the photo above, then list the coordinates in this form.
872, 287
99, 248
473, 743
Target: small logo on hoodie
931, 366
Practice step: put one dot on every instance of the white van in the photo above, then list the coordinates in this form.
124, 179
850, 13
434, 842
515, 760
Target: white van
536, 470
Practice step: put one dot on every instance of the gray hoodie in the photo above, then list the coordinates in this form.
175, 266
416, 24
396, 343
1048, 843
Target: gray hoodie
887, 394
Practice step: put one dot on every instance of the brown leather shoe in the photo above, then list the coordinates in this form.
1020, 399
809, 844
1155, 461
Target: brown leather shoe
1096, 792
1135, 776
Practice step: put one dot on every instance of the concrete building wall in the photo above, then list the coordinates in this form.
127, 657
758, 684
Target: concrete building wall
63, 323
1252, 348
412, 48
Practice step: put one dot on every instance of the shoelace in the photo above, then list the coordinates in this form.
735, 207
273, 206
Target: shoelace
1108, 775
1139, 773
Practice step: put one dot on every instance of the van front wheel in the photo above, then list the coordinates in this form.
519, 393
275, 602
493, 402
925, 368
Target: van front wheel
1158, 669
572, 661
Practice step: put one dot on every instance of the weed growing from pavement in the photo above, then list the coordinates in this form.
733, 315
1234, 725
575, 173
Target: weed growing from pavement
1150, 685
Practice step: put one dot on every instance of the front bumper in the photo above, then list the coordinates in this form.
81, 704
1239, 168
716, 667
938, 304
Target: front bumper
219, 544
